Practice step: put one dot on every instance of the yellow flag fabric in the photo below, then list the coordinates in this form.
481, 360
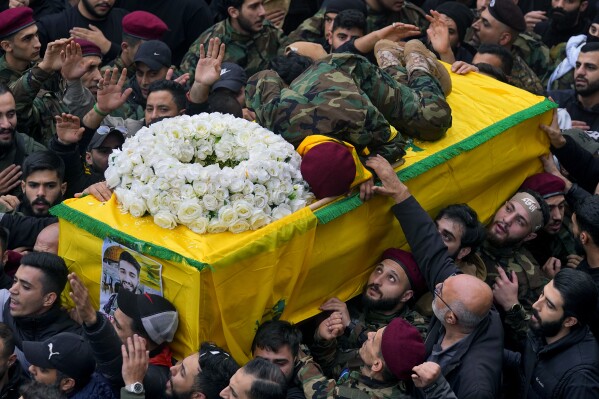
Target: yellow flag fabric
224, 285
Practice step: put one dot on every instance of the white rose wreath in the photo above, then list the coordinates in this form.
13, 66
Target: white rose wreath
209, 172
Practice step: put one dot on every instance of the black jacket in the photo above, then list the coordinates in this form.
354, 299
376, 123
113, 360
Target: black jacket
568, 99
580, 163
16, 378
568, 368
475, 370
106, 346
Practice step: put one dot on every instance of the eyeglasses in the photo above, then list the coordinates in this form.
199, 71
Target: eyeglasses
107, 129
437, 291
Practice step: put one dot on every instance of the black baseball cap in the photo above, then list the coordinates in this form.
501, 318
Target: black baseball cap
155, 54
102, 134
66, 352
232, 77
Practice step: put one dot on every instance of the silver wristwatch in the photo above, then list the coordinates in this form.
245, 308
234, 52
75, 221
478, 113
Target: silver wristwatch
136, 387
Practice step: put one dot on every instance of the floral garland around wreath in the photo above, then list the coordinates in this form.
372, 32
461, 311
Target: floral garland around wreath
209, 172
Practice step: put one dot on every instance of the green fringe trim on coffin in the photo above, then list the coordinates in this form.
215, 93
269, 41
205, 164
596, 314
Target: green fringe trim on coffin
102, 230
339, 208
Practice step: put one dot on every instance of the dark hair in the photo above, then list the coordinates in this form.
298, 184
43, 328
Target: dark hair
350, 19
504, 55
474, 231
578, 292
54, 271
37, 390
43, 160
8, 340
176, 90
492, 71
127, 257
541, 201
232, 3
590, 47
273, 335
290, 66
269, 380
224, 102
5, 89
587, 217
132, 41
216, 369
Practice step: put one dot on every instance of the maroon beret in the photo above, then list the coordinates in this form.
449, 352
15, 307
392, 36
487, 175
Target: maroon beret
508, 13
88, 48
329, 169
402, 348
408, 264
15, 19
144, 25
545, 184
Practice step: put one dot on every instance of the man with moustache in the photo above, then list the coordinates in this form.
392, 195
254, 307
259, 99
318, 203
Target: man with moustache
250, 40
14, 147
93, 20
582, 103
554, 242
561, 356
393, 285
566, 18
43, 186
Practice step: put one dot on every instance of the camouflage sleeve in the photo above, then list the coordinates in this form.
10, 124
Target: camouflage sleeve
311, 30
78, 99
516, 325
324, 353
263, 96
314, 383
28, 105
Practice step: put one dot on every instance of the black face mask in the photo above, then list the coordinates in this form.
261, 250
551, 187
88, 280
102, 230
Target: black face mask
592, 39
563, 20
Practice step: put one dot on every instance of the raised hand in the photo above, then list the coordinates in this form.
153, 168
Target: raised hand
72, 66
93, 35
208, 69
392, 186
505, 289
332, 327
398, 31
68, 129
83, 306
9, 202
135, 359
110, 90
52, 61
553, 132
438, 35
10, 177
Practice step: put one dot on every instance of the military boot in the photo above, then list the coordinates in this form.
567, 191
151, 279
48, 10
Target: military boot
419, 58
389, 53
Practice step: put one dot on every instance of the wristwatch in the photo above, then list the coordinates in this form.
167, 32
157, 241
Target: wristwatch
136, 387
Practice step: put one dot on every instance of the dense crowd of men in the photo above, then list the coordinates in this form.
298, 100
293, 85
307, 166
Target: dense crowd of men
507, 310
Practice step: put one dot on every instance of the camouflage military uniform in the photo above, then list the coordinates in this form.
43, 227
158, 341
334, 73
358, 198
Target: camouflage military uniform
351, 385
336, 355
253, 53
566, 82
36, 108
524, 77
531, 281
535, 53
8, 75
312, 29
547, 245
347, 97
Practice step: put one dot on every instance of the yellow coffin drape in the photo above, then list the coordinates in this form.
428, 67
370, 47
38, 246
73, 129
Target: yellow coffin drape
224, 284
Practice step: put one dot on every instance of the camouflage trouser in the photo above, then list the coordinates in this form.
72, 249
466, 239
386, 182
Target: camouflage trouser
415, 106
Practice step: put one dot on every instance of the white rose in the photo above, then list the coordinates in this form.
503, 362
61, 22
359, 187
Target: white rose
112, 176
297, 204
137, 206
281, 211
200, 187
259, 219
221, 193
124, 166
227, 215
165, 219
187, 191
236, 185
189, 210
277, 197
199, 225
259, 189
260, 201
243, 209
210, 202
239, 226
216, 226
